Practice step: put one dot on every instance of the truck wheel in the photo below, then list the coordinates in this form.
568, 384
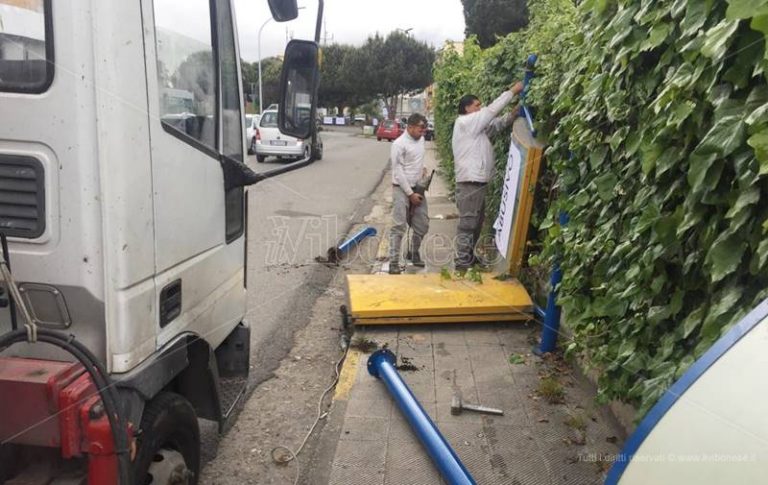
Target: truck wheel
169, 443
261, 158
252, 147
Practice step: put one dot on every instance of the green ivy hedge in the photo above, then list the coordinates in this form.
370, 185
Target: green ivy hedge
656, 114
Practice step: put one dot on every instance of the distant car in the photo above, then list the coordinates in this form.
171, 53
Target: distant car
251, 124
270, 142
388, 130
429, 134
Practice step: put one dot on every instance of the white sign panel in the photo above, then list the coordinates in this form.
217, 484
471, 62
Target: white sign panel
328, 120
340, 120
509, 196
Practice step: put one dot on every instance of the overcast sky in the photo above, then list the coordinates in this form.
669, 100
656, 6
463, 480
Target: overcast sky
349, 22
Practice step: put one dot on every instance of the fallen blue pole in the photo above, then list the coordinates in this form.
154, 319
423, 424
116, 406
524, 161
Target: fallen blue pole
382, 366
335, 254
351, 242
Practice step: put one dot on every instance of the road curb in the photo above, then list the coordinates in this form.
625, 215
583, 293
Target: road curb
347, 376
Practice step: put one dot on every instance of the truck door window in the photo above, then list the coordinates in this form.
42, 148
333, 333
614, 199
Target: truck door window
26, 46
231, 114
186, 69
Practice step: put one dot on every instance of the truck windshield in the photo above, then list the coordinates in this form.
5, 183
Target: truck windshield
25, 47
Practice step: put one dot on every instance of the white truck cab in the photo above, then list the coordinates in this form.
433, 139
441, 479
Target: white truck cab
123, 201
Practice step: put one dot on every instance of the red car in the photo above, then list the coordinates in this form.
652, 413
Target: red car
388, 130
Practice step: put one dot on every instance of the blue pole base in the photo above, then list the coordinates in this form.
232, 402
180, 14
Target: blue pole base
382, 366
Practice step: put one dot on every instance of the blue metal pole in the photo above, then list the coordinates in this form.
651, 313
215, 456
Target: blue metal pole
551, 326
530, 64
382, 366
349, 243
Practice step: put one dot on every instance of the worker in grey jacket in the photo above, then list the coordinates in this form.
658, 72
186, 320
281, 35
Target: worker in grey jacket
407, 159
474, 163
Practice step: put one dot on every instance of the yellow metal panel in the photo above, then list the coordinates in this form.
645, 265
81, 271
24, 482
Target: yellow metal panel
502, 317
531, 150
429, 295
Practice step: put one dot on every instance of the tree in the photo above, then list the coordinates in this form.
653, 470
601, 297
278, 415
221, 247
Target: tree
392, 67
488, 19
337, 81
271, 68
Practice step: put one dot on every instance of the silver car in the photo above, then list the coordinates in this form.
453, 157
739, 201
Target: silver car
268, 141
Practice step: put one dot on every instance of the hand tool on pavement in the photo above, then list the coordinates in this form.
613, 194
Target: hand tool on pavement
457, 406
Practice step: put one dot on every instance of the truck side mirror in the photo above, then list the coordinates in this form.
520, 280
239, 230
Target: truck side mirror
298, 88
283, 10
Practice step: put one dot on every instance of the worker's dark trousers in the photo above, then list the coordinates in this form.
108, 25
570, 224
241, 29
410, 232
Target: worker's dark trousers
419, 224
470, 200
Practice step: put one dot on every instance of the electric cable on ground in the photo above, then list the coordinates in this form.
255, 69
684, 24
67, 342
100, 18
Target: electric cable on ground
320, 415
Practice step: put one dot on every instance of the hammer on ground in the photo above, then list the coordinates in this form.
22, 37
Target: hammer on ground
457, 406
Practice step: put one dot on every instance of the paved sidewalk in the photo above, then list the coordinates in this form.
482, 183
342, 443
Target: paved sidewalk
566, 441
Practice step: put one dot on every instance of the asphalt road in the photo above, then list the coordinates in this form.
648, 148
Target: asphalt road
293, 218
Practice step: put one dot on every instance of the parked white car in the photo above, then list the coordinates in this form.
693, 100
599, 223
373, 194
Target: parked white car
268, 141
251, 124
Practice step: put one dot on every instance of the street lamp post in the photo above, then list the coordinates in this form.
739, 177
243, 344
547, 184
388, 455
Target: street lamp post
261, 106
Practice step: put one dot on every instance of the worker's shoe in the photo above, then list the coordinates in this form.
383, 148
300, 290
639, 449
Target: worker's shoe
415, 259
394, 267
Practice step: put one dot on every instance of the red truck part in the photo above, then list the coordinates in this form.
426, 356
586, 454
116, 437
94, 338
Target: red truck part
56, 404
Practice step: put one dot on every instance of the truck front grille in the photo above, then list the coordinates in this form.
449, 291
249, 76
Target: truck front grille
22, 196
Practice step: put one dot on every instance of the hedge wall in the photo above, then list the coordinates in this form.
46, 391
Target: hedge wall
656, 114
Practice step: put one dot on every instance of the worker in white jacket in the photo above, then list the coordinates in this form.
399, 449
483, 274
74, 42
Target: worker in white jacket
407, 159
474, 164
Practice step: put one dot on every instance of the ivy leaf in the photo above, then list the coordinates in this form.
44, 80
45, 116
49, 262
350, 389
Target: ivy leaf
720, 313
726, 135
647, 218
698, 166
650, 153
598, 156
759, 258
692, 217
717, 38
744, 9
759, 115
695, 17
746, 198
627, 348
685, 363
760, 24
667, 160
759, 141
608, 306
680, 113
693, 320
657, 36
606, 183
725, 255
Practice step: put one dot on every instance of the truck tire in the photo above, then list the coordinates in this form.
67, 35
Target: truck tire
169, 443
261, 158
